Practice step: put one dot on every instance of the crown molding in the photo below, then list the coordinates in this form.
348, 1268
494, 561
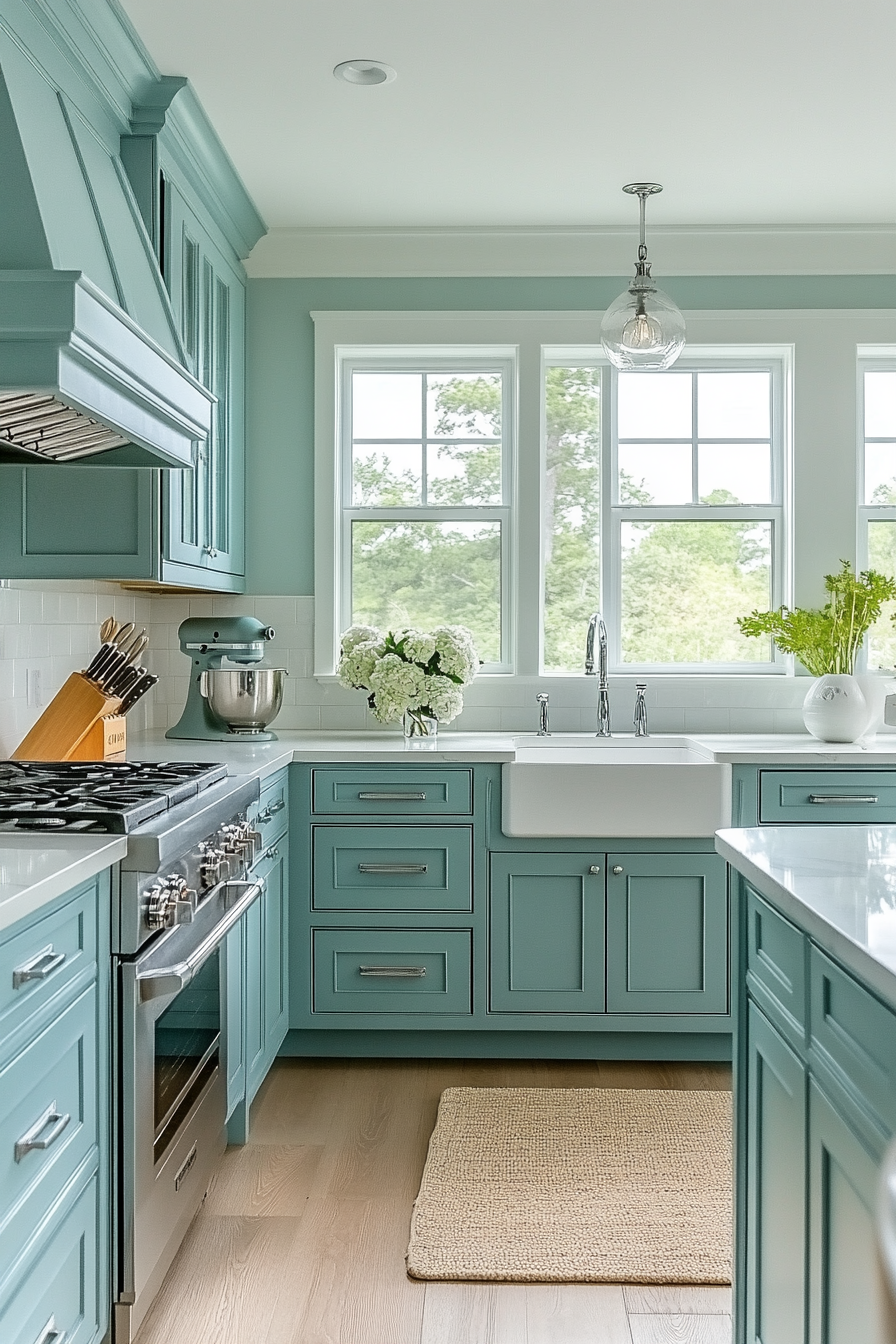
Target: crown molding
765, 249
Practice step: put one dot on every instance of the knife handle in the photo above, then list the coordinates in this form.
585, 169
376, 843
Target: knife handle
104, 651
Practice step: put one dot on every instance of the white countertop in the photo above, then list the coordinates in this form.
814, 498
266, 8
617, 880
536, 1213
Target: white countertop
35, 869
263, 758
836, 882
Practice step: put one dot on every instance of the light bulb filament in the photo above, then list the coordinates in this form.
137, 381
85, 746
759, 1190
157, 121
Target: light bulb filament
642, 332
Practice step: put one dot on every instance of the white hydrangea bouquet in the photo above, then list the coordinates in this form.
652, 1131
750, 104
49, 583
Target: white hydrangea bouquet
410, 674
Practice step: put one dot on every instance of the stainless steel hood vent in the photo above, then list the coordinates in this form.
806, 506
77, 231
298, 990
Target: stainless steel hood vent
51, 430
91, 363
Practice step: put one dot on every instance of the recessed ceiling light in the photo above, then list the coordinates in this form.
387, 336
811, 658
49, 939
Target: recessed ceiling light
364, 72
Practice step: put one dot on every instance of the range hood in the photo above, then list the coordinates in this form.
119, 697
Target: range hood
91, 364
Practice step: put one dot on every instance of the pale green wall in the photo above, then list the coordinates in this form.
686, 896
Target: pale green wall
280, 448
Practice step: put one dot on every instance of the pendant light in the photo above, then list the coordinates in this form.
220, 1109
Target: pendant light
643, 328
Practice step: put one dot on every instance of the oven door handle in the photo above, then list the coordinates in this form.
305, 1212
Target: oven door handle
166, 980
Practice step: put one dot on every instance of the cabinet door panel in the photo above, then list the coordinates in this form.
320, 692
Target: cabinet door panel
667, 933
547, 934
203, 506
78, 522
776, 1167
844, 1305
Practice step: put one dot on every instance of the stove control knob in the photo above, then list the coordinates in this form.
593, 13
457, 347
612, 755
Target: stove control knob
214, 865
170, 902
241, 839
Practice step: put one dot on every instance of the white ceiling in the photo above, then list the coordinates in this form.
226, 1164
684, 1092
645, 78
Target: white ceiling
535, 112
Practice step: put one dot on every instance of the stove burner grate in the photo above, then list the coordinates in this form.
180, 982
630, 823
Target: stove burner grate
114, 796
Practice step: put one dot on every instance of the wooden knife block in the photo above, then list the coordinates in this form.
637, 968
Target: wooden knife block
107, 740
62, 729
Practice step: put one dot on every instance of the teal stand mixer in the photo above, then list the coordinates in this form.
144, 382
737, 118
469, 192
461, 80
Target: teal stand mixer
227, 704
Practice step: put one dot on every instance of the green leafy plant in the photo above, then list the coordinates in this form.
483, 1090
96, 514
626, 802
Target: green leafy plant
827, 639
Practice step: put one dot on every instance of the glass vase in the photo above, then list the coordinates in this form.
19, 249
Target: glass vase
419, 726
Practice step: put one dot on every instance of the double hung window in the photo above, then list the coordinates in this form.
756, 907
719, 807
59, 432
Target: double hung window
692, 514
426, 486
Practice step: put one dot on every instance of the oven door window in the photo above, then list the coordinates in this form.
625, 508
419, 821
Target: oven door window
187, 1046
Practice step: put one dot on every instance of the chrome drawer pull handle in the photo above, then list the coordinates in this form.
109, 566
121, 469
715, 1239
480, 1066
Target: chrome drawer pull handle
49, 1334
32, 1140
392, 867
394, 972
274, 807
392, 797
843, 799
44, 964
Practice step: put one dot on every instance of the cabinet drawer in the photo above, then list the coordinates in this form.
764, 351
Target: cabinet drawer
61, 1284
52, 1078
392, 868
776, 966
386, 971
827, 796
271, 812
45, 957
408, 791
851, 1029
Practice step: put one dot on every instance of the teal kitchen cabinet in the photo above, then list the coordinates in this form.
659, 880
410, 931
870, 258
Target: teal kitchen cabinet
815, 1091
55, 1067
546, 918
414, 916
203, 507
667, 933
177, 527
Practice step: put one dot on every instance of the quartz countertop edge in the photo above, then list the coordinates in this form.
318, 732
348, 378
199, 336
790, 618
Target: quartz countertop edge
34, 870
836, 883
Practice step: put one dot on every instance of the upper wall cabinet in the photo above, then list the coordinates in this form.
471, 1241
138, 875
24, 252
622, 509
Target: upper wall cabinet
178, 527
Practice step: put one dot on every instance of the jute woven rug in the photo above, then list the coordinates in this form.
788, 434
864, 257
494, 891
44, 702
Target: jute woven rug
596, 1185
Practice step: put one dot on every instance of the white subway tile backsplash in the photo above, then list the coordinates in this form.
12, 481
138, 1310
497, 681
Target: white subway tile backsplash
55, 626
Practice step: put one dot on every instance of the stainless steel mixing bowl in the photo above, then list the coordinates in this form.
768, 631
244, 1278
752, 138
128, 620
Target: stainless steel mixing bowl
246, 698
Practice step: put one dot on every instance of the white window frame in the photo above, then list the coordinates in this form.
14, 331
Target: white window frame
528, 338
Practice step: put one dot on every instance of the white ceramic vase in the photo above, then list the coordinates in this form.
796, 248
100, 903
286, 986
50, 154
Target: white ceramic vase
835, 710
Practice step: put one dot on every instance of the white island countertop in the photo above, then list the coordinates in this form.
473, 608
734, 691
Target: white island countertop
35, 869
838, 883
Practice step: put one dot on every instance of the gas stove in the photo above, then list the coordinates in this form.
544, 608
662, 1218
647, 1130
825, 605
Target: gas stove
96, 796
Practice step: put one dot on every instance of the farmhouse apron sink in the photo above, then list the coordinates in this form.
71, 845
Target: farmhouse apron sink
576, 785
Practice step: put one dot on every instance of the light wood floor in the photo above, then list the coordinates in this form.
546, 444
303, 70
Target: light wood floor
303, 1234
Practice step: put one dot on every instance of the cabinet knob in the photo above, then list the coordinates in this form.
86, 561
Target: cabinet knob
618, 868
594, 869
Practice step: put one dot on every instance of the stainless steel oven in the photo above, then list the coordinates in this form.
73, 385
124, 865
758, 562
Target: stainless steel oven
172, 1091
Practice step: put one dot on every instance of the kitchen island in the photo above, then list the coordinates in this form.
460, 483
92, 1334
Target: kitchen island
815, 1076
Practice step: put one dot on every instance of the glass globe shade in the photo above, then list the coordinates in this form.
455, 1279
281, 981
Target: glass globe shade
643, 328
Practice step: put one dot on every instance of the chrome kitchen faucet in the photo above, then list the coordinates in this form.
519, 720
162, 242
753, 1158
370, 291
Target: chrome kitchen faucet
603, 694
